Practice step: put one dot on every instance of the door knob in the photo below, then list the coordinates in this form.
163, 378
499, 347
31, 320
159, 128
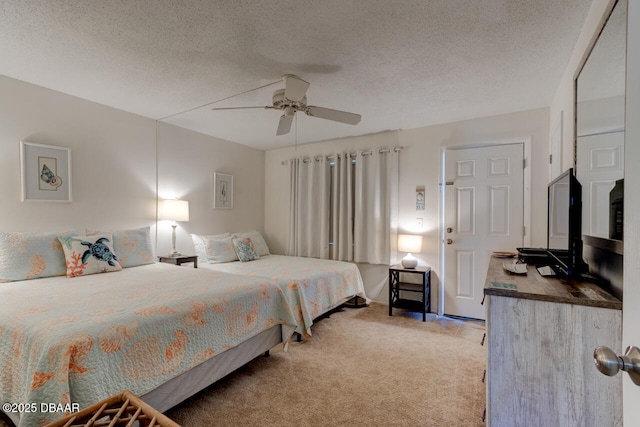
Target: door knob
448, 241
610, 364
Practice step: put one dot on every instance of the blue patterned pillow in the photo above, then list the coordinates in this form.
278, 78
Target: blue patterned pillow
245, 250
133, 247
31, 255
259, 244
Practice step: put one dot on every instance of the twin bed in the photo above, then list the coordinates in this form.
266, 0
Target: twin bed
161, 331
312, 286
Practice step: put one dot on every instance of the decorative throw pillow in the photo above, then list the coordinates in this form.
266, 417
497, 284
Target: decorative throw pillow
31, 255
245, 250
133, 246
220, 250
86, 255
259, 244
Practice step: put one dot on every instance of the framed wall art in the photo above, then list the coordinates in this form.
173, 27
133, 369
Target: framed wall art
420, 197
46, 172
222, 191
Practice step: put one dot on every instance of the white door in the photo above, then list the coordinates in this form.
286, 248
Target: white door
483, 213
555, 148
631, 275
631, 293
601, 164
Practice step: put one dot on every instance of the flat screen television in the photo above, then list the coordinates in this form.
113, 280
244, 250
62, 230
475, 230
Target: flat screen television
564, 225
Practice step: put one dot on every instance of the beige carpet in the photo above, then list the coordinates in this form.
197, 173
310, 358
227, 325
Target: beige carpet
360, 368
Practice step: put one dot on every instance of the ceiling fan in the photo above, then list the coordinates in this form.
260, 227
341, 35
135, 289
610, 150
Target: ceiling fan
293, 98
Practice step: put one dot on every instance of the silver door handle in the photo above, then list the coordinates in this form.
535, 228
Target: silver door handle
610, 364
448, 241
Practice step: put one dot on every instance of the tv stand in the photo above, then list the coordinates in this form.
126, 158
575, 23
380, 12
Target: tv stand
535, 256
540, 338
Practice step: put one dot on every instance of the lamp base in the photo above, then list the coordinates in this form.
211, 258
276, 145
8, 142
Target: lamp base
173, 252
409, 261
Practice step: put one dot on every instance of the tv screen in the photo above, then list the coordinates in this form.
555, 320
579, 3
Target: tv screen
564, 227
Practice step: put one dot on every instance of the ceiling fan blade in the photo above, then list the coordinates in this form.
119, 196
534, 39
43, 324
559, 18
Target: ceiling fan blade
335, 115
239, 108
285, 124
295, 87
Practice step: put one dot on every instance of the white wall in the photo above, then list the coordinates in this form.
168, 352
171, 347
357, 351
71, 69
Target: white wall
114, 159
186, 162
420, 164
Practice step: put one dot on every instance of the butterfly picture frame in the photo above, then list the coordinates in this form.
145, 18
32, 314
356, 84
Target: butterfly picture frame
46, 172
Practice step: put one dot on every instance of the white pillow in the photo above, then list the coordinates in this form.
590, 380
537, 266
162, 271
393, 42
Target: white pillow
220, 250
259, 244
31, 255
199, 244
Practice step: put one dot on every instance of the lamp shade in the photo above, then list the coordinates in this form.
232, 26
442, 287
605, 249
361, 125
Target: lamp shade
409, 243
175, 210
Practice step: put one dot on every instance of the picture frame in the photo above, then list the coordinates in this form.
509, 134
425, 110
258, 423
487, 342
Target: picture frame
420, 198
222, 191
46, 173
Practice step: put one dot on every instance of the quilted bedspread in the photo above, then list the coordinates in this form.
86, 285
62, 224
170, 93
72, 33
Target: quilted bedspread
79, 340
312, 285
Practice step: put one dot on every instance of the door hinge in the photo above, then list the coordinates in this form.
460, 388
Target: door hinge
550, 159
524, 163
524, 231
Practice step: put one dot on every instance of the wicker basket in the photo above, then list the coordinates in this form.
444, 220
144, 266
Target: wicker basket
122, 409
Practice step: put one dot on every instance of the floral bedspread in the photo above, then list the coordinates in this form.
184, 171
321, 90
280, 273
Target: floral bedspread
312, 285
79, 340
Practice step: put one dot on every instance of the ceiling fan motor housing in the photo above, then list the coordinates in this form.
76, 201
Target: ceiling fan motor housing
282, 103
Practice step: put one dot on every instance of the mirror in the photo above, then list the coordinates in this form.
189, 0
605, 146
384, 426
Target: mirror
600, 115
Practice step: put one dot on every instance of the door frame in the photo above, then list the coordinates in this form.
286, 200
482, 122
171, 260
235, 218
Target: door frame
526, 141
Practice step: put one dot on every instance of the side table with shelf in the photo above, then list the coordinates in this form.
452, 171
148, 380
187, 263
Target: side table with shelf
424, 289
181, 259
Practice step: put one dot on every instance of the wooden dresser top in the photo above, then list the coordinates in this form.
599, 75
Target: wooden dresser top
536, 287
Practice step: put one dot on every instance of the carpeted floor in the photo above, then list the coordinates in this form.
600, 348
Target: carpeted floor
360, 368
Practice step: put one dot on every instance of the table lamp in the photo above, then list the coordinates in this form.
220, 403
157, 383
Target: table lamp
174, 210
409, 243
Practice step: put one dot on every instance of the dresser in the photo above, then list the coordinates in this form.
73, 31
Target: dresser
540, 342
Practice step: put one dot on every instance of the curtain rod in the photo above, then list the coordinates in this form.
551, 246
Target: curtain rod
318, 157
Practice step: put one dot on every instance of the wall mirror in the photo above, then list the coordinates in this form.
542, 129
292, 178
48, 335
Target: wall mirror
600, 116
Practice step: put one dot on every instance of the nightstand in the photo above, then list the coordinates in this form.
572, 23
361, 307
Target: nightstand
178, 260
424, 289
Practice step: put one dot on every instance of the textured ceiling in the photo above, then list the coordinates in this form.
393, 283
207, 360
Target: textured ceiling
399, 63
